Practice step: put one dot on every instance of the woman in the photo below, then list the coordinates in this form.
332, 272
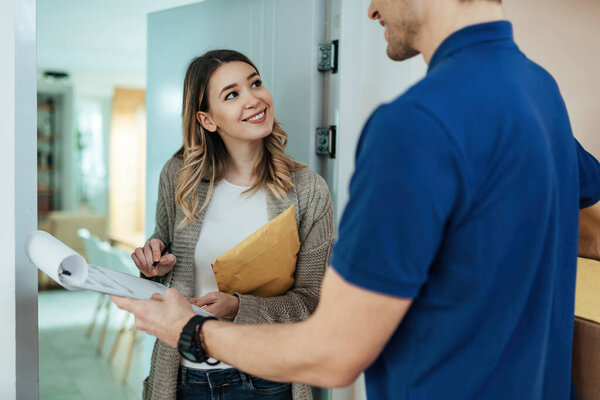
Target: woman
230, 178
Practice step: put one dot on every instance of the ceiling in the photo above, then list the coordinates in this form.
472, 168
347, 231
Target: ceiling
98, 42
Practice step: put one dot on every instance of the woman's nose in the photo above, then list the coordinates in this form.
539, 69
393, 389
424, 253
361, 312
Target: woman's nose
251, 101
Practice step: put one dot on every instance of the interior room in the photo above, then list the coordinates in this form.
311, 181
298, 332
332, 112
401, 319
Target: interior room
107, 80
91, 67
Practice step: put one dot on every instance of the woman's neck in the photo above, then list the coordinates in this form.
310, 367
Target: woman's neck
242, 159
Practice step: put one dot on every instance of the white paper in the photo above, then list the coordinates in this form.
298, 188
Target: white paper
51, 255
70, 270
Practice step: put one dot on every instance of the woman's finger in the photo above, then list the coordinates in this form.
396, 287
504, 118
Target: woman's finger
136, 261
139, 252
211, 309
156, 246
168, 260
148, 254
204, 300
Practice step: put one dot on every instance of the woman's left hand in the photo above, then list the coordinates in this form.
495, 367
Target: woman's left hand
221, 305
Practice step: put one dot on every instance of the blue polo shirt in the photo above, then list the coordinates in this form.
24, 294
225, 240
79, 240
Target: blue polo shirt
465, 198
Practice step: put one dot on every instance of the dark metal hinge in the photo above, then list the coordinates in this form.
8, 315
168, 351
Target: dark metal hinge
328, 56
325, 141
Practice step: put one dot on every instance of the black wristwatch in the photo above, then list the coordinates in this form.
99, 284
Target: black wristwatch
190, 341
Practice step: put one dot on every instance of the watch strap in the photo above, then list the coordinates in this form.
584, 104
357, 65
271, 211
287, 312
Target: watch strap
190, 341
198, 339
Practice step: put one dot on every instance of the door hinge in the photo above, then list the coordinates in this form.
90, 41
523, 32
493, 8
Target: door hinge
328, 56
325, 141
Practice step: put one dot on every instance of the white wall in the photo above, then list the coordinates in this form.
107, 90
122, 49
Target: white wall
18, 287
100, 41
564, 37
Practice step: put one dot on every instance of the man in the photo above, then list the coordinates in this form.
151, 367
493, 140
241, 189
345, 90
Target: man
454, 272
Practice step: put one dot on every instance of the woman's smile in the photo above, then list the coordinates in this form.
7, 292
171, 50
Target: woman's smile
258, 117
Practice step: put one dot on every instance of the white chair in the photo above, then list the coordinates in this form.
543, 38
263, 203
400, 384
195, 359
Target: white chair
91, 244
121, 261
96, 254
104, 255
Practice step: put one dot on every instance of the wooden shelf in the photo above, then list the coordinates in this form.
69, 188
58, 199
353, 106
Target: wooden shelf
45, 107
46, 138
51, 115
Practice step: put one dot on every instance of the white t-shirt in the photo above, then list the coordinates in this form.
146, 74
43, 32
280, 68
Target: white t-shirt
230, 218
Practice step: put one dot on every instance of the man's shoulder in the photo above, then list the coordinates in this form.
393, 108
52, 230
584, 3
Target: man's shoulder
408, 112
406, 125
453, 93
421, 98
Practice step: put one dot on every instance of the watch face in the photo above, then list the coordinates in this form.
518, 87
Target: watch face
187, 345
188, 355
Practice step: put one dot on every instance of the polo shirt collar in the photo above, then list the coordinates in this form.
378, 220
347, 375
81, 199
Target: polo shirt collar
470, 36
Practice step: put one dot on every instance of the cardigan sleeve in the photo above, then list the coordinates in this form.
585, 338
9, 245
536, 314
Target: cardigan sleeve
161, 229
165, 212
301, 300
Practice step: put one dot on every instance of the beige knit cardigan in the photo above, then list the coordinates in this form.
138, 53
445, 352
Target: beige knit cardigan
314, 215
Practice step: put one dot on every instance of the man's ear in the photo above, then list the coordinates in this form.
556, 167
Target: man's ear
206, 121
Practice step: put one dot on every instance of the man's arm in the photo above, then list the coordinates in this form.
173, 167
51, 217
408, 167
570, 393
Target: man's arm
589, 232
346, 333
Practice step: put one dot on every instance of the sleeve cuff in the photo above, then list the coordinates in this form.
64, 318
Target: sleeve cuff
248, 309
588, 202
386, 286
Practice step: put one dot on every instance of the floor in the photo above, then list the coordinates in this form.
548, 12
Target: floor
70, 367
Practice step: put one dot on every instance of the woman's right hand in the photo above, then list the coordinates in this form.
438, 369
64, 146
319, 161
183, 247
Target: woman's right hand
144, 257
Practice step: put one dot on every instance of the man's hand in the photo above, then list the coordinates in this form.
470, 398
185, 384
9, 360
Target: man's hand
163, 316
144, 257
221, 305
589, 232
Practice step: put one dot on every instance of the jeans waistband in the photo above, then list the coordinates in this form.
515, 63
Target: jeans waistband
212, 377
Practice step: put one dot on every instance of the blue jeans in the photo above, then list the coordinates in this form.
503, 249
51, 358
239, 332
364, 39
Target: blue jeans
228, 384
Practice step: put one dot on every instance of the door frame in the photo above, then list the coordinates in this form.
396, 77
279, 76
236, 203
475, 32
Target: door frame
18, 211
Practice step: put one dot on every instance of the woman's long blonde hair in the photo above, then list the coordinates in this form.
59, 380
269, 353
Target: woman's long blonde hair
205, 157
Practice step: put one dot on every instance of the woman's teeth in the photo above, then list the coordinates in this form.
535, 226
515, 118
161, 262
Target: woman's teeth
257, 117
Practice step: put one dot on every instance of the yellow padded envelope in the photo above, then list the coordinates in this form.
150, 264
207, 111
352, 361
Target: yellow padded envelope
264, 263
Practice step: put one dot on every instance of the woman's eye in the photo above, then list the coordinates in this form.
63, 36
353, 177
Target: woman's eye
257, 83
231, 95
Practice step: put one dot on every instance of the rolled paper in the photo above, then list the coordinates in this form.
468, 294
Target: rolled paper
55, 258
